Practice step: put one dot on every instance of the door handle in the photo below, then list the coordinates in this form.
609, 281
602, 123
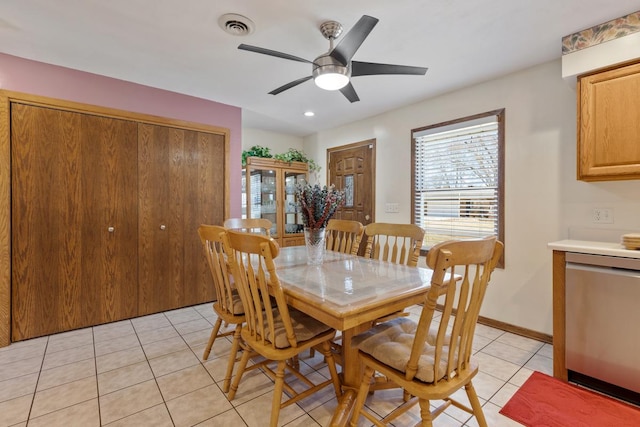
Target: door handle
163, 227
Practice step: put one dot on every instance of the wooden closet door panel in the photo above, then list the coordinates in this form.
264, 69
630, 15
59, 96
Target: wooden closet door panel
204, 204
160, 248
110, 219
72, 173
46, 239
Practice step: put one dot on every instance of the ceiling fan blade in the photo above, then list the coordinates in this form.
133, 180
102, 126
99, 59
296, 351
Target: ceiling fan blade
290, 85
350, 43
350, 93
270, 52
371, 68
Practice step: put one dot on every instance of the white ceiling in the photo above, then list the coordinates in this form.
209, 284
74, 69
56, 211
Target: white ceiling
177, 45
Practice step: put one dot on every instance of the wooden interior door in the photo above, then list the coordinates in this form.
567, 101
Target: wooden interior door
352, 168
72, 178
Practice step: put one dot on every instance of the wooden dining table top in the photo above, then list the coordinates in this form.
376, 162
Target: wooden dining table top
349, 290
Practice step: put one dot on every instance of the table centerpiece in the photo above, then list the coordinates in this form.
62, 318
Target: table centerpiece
317, 205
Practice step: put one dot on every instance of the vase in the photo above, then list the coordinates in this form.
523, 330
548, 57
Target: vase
314, 240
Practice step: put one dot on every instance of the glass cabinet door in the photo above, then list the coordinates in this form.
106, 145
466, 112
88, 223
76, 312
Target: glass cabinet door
292, 218
263, 194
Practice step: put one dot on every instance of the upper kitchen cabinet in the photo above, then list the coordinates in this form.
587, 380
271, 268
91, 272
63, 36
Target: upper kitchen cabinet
270, 193
609, 124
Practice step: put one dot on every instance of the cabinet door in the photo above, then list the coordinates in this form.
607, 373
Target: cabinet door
262, 197
292, 219
181, 186
72, 178
608, 114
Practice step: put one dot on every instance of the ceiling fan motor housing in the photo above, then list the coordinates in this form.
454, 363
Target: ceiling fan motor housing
325, 66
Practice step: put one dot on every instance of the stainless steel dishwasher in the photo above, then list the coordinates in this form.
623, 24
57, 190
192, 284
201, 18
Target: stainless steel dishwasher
603, 319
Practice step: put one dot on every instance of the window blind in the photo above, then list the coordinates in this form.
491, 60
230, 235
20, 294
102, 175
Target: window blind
456, 182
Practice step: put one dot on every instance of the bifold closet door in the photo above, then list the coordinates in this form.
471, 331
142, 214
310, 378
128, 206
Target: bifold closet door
74, 220
181, 185
160, 222
204, 178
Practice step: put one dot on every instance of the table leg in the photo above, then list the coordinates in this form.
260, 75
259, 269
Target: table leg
351, 376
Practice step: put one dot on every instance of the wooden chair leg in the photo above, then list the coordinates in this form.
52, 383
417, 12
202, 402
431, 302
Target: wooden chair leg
246, 354
277, 394
212, 338
475, 404
425, 413
362, 395
232, 358
331, 364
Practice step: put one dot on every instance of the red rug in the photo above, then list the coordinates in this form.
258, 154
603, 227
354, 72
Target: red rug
544, 401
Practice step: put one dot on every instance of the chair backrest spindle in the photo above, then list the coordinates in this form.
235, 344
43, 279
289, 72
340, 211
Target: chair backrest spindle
396, 243
344, 236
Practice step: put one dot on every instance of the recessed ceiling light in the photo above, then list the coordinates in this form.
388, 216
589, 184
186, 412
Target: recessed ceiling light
309, 113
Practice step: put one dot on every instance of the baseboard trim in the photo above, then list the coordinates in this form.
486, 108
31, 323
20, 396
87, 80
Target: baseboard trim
507, 327
528, 333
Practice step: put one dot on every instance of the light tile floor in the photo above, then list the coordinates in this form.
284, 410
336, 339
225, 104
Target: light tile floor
149, 371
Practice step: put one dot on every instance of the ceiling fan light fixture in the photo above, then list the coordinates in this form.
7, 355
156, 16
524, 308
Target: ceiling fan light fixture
331, 81
329, 74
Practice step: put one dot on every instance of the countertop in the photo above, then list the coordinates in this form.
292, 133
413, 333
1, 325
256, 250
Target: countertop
592, 247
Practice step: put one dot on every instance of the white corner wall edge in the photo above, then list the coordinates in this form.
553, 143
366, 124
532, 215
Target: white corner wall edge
600, 56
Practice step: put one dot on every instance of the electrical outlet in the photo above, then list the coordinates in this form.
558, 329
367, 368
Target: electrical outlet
391, 208
602, 216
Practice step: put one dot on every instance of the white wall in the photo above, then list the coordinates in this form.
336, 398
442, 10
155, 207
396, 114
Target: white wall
278, 143
543, 198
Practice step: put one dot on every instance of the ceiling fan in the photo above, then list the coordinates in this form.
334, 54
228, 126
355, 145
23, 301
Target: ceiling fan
332, 70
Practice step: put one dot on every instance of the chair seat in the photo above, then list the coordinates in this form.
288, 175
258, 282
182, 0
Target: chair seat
390, 343
236, 304
304, 327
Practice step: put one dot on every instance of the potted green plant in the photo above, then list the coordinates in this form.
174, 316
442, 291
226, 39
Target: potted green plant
292, 155
256, 151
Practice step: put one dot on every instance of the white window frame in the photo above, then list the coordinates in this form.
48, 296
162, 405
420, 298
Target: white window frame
457, 179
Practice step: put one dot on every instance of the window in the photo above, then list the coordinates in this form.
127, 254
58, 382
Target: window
458, 178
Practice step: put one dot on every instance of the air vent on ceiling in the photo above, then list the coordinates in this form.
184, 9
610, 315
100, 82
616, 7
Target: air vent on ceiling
236, 25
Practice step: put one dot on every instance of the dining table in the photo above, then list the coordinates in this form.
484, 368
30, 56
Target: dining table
348, 293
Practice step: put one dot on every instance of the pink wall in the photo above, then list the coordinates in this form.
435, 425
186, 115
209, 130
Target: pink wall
37, 78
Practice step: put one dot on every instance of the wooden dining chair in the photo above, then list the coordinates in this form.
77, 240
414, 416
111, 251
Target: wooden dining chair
250, 225
432, 364
228, 305
397, 243
272, 329
343, 235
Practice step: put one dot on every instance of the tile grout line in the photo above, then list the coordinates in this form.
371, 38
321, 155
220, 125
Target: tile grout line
95, 365
33, 397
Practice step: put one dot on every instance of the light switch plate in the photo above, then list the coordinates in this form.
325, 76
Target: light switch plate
392, 208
